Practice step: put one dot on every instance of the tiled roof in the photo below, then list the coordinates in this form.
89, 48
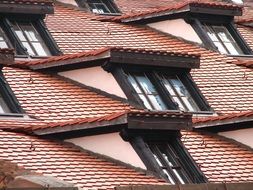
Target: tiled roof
173, 8
220, 159
226, 85
135, 6
246, 114
95, 55
68, 163
52, 99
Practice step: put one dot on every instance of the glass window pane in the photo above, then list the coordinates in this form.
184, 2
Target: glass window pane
102, 8
30, 39
223, 39
233, 49
157, 102
220, 47
134, 84
145, 102
190, 104
169, 177
39, 49
177, 101
168, 87
3, 44
31, 35
3, 107
28, 47
20, 35
146, 84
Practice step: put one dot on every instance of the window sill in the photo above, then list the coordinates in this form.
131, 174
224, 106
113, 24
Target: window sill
108, 14
32, 57
240, 56
12, 115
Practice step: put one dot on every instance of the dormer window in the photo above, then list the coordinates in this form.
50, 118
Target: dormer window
99, 6
3, 106
220, 34
8, 102
163, 153
3, 40
222, 39
27, 37
160, 91
30, 39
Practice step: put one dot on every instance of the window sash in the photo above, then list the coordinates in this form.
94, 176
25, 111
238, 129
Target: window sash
179, 93
30, 39
102, 6
167, 160
3, 40
222, 39
158, 91
3, 106
147, 91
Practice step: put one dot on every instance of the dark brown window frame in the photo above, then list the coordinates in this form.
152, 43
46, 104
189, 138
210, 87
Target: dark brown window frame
184, 75
198, 20
9, 98
37, 22
109, 4
186, 166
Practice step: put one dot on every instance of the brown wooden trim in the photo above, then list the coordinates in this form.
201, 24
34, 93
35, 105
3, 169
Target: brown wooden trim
155, 60
159, 123
26, 9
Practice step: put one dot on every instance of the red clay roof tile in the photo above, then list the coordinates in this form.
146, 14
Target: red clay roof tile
232, 118
50, 98
219, 158
68, 163
171, 9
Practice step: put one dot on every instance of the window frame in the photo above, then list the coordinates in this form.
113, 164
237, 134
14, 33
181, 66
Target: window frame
111, 3
121, 76
197, 21
37, 22
190, 172
9, 98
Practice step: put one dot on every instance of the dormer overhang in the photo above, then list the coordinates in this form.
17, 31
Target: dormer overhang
113, 56
179, 11
27, 7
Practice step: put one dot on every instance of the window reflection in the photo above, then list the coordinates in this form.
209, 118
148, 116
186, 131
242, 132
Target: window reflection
30, 39
222, 39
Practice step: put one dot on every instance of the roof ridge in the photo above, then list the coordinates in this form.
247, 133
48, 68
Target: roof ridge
177, 6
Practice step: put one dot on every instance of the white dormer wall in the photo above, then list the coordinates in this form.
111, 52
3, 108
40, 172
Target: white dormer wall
71, 2
97, 78
177, 27
243, 136
111, 145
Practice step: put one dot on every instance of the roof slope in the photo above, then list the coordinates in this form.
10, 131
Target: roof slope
226, 85
220, 159
68, 163
50, 98
135, 6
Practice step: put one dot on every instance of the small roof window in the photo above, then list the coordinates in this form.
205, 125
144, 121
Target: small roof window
100, 6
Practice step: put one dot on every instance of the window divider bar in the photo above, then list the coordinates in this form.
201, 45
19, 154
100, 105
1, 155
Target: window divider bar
17, 44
